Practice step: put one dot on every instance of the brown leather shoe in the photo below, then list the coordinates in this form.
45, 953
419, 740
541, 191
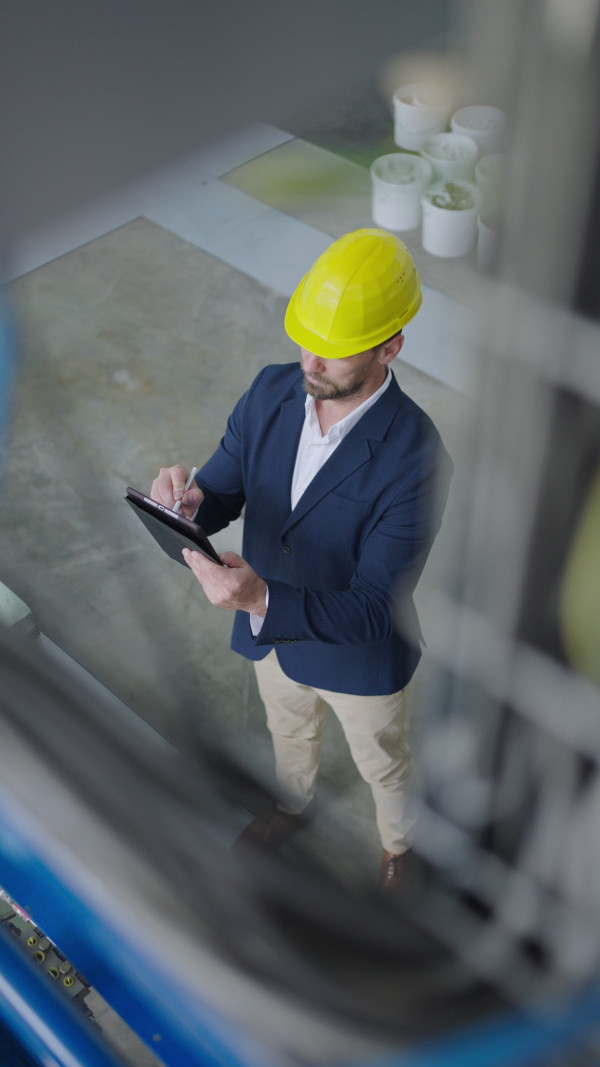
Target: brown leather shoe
268, 832
395, 871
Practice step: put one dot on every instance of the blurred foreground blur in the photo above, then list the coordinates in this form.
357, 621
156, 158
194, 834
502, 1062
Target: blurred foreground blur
116, 841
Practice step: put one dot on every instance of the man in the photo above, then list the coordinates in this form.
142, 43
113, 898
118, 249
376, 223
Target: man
344, 480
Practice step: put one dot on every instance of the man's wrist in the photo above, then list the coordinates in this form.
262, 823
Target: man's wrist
259, 606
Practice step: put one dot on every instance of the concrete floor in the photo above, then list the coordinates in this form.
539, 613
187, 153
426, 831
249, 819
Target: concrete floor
134, 348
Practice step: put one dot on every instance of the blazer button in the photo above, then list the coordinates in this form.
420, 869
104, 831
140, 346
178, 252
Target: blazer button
287, 549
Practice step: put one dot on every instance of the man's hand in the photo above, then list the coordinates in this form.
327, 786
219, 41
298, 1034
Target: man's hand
235, 587
169, 486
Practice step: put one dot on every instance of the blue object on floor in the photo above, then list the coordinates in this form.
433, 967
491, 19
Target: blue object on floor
12, 1053
47, 1028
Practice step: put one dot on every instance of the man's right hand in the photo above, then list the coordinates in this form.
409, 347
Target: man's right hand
169, 486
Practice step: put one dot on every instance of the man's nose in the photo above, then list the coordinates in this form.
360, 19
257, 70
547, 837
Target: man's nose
312, 363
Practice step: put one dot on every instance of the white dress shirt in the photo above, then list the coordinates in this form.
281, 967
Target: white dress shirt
314, 449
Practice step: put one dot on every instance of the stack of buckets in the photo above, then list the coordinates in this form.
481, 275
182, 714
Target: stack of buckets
452, 187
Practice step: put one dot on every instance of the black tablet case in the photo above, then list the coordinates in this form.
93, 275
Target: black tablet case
171, 540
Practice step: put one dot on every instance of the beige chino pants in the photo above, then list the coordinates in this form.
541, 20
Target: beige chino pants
375, 729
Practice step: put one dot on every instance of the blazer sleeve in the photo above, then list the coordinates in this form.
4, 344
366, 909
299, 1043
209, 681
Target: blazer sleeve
221, 479
388, 570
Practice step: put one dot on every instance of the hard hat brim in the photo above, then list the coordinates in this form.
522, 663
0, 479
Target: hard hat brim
326, 349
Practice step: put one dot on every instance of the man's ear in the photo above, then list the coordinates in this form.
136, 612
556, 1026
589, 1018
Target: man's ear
391, 349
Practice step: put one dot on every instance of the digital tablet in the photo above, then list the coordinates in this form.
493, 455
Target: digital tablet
171, 530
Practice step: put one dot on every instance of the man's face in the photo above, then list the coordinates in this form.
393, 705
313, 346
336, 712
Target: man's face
336, 379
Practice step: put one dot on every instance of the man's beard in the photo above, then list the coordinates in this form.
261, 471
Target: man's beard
327, 390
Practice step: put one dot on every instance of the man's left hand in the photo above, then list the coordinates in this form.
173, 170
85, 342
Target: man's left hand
235, 587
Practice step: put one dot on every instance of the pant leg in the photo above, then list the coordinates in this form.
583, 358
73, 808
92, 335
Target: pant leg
376, 729
295, 715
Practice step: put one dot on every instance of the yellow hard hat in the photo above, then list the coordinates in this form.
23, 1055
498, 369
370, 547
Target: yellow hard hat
360, 291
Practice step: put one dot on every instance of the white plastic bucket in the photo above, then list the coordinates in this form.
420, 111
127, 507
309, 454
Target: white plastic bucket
417, 110
486, 125
487, 243
413, 142
397, 181
489, 177
450, 230
452, 155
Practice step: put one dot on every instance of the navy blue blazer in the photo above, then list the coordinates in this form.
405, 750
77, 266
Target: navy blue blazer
342, 566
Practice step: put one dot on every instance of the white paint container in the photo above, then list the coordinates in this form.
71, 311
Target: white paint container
413, 142
489, 177
487, 242
452, 155
418, 111
486, 125
450, 211
397, 181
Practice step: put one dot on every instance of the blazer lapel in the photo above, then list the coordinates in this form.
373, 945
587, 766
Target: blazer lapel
289, 427
351, 453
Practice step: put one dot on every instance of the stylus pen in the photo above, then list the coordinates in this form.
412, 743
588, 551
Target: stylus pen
193, 473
